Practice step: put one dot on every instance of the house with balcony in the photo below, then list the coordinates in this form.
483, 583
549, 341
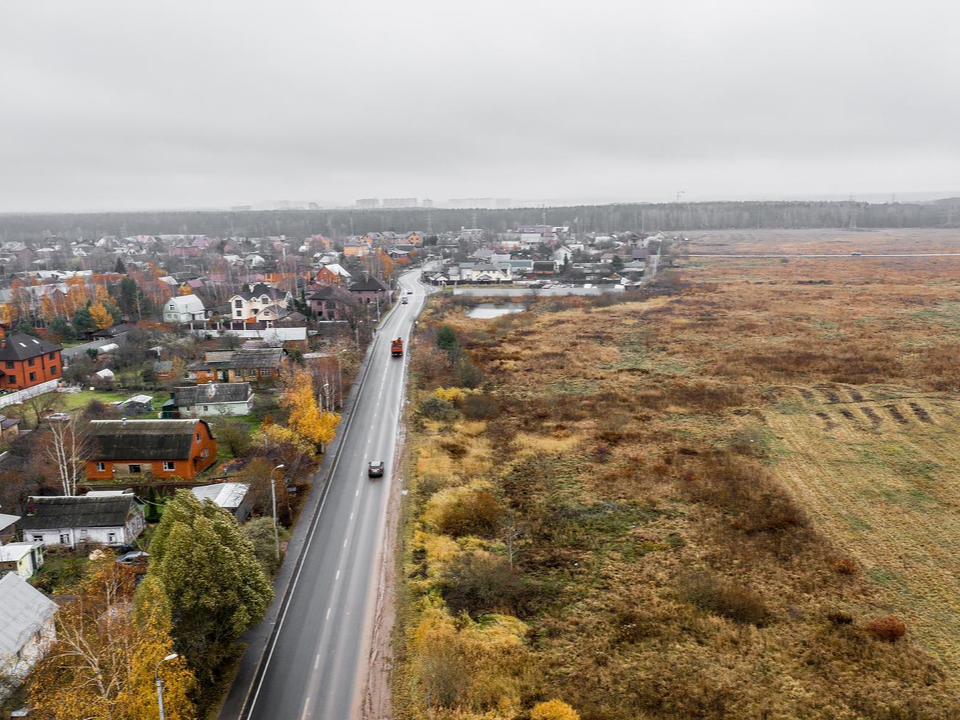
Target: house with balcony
26, 361
248, 305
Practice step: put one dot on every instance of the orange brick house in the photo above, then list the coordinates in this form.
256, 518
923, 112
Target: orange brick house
161, 448
26, 361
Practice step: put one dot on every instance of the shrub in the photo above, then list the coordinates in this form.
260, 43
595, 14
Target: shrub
480, 407
839, 617
845, 566
726, 599
553, 710
437, 409
447, 340
464, 511
234, 435
888, 629
466, 373
451, 395
478, 583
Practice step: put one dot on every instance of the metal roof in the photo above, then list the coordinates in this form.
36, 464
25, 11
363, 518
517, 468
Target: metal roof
23, 611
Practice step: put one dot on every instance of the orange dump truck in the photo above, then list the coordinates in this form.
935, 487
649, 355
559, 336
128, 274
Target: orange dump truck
396, 347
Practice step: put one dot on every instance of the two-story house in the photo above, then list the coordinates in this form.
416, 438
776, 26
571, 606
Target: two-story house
26, 361
184, 309
331, 303
163, 448
248, 305
369, 289
72, 520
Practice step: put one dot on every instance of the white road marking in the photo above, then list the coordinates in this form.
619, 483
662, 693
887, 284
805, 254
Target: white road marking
351, 517
338, 575
306, 709
328, 613
344, 543
358, 491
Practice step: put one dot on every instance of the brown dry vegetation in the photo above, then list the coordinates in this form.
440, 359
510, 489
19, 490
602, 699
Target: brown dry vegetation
736, 502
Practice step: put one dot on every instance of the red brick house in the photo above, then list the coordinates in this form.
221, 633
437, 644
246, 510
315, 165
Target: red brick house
161, 448
26, 361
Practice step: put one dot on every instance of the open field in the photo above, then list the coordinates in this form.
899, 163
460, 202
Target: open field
843, 242
714, 501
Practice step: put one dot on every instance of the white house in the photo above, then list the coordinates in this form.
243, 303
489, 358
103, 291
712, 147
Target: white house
248, 304
184, 309
71, 520
486, 272
26, 627
214, 399
22, 558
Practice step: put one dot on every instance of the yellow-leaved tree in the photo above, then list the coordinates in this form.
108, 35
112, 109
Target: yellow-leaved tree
306, 418
101, 316
110, 638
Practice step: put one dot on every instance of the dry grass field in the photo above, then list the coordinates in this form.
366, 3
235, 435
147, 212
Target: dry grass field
735, 500
825, 241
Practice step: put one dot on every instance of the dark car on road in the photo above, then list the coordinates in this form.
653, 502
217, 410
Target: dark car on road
375, 469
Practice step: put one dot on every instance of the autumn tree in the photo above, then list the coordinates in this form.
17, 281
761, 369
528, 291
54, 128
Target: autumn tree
214, 600
110, 638
101, 317
306, 418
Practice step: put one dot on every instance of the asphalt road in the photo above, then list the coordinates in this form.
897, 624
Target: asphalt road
316, 658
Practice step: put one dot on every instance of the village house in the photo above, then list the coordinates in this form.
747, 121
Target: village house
75, 520
358, 250
161, 448
485, 273
332, 274
28, 631
26, 361
211, 399
330, 303
248, 305
244, 364
22, 558
184, 309
369, 289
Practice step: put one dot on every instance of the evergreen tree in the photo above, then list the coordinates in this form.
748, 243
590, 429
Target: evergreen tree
61, 327
120, 267
26, 328
211, 574
447, 340
83, 322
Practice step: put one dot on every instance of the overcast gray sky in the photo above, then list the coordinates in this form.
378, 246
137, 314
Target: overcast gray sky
193, 103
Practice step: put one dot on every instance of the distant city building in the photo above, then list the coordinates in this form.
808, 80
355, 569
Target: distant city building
427, 203
399, 202
479, 203
241, 208
368, 203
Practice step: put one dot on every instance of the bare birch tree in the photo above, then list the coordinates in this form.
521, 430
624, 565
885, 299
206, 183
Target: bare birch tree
69, 448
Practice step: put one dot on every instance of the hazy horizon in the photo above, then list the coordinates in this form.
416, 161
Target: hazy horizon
112, 106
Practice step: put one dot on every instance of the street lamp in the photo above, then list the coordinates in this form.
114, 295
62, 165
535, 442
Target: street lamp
273, 497
156, 677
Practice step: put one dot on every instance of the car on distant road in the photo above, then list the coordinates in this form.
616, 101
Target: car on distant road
375, 468
404, 302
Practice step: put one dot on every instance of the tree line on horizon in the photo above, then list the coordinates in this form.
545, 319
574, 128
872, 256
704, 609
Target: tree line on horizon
649, 217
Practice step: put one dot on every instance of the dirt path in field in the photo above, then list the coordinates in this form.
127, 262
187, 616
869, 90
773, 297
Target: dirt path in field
888, 494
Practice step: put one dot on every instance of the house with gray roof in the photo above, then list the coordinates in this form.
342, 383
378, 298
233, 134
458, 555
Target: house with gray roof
234, 497
71, 520
27, 629
184, 309
212, 399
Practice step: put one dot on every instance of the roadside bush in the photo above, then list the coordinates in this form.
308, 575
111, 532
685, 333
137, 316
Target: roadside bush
233, 434
466, 373
451, 395
436, 409
464, 511
478, 583
480, 407
726, 599
259, 532
888, 629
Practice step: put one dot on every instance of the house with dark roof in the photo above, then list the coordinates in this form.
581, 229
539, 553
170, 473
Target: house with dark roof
331, 303
161, 448
75, 520
242, 365
26, 361
27, 629
369, 289
211, 399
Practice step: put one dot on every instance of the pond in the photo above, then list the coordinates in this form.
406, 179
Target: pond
485, 311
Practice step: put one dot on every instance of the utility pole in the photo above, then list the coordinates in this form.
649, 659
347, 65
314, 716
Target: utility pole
273, 498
